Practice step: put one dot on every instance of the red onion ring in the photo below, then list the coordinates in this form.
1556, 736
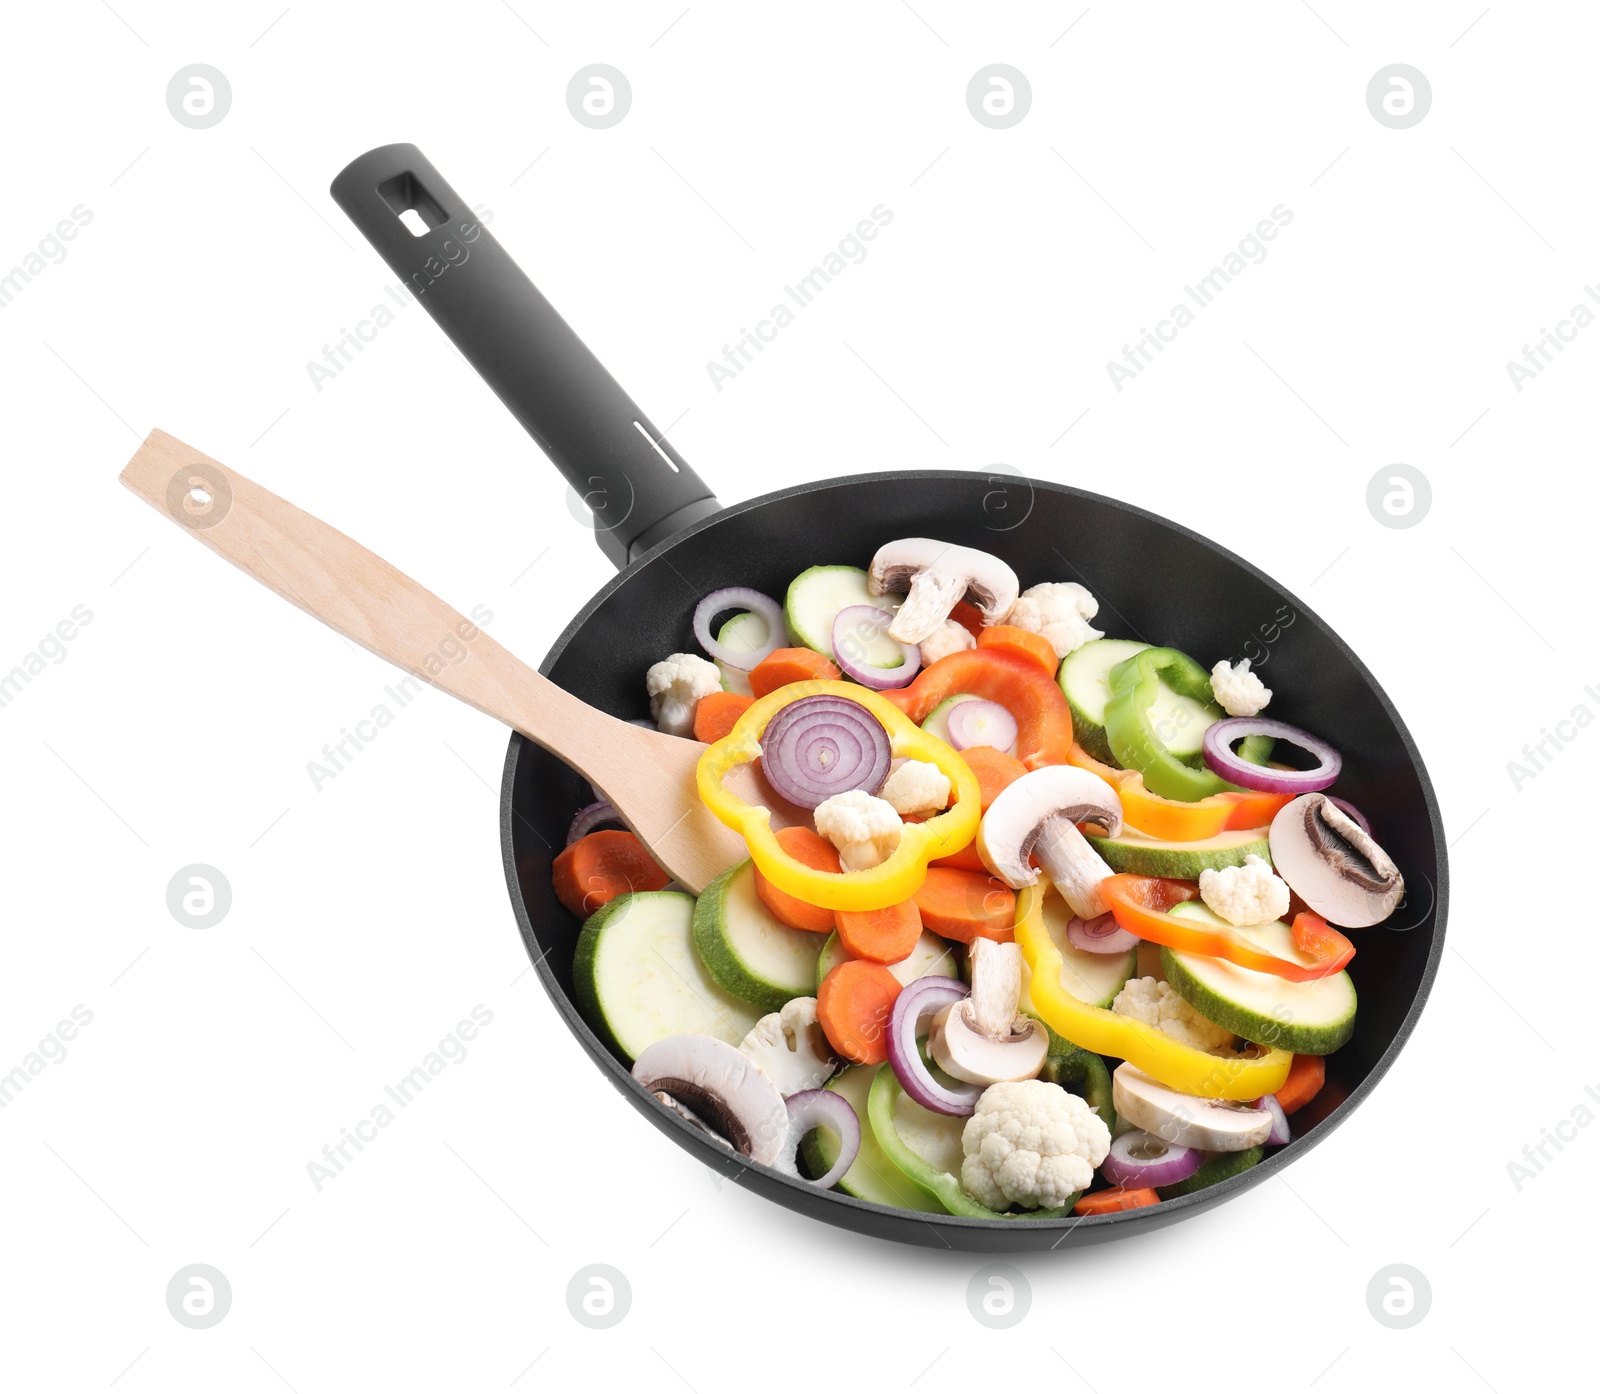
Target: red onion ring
965, 722
591, 817
1102, 935
739, 598
918, 1001
854, 627
1217, 743
1355, 813
1280, 1122
1142, 1159
820, 746
822, 1108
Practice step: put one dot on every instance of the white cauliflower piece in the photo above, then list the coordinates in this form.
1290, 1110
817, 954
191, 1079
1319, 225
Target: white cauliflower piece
1030, 1144
1245, 895
676, 685
1240, 692
866, 830
950, 637
789, 1048
1157, 1004
1060, 611
916, 786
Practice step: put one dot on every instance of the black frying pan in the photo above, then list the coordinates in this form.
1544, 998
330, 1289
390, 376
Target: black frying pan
654, 517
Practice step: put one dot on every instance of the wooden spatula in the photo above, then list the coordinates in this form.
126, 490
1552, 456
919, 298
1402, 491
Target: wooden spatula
648, 776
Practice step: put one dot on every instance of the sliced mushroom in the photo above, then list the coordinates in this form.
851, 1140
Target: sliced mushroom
1035, 816
982, 1039
1184, 1120
721, 1089
1332, 865
935, 575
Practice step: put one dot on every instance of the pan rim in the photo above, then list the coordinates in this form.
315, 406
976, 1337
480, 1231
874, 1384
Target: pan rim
1131, 1221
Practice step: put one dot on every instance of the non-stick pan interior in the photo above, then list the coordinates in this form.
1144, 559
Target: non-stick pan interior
1155, 581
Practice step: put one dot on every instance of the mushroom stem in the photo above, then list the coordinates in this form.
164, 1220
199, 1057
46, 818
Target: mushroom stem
932, 596
996, 987
1075, 869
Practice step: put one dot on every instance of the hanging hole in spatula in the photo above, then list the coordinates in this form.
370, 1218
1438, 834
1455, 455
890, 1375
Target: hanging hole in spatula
412, 204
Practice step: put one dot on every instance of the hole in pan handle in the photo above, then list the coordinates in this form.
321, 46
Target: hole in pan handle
638, 487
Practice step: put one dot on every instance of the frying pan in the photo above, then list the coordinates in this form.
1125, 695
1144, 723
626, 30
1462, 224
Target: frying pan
1156, 580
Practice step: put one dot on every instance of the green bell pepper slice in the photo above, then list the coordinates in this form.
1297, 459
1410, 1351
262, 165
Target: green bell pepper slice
1135, 688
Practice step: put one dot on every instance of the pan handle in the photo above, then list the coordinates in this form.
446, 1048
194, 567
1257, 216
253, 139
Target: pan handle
637, 485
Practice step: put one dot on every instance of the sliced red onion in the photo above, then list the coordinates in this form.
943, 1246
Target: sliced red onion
1279, 1135
1218, 740
856, 627
590, 818
918, 1001
981, 723
1143, 1159
1355, 813
822, 1108
1102, 935
820, 746
739, 598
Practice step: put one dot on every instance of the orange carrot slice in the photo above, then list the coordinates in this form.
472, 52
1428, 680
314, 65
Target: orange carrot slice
853, 1007
966, 905
884, 936
1117, 1198
1023, 641
1307, 1074
814, 851
599, 867
715, 714
784, 666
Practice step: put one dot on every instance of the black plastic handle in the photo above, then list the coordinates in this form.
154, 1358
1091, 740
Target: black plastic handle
638, 487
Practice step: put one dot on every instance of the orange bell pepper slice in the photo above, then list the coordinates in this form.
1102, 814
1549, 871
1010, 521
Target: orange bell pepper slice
1019, 684
1173, 820
1141, 903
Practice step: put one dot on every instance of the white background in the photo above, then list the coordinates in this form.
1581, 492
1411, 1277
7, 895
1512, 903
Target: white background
369, 917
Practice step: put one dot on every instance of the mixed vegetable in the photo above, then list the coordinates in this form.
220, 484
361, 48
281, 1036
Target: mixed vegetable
1035, 922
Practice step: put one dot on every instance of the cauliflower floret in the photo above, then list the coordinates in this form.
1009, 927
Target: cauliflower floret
1030, 1144
950, 637
1240, 691
1157, 1004
916, 786
676, 685
1060, 611
790, 1049
1245, 895
864, 829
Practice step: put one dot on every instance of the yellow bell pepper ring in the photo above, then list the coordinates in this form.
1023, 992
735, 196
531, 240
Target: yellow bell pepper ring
1170, 1062
891, 881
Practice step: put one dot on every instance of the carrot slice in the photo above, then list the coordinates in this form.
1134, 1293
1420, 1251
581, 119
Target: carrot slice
715, 714
1117, 1198
966, 905
814, 851
994, 770
884, 936
853, 1007
784, 666
1023, 641
599, 867
1307, 1074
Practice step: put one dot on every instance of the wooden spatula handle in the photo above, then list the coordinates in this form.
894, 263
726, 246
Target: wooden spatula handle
348, 588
